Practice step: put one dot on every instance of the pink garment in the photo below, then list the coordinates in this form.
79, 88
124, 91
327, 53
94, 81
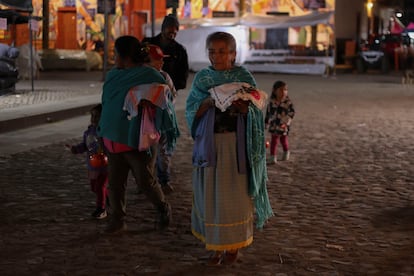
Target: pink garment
99, 187
274, 142
149, 135
115, 147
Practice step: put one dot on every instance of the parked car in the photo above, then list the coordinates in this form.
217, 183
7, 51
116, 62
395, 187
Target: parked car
372, 57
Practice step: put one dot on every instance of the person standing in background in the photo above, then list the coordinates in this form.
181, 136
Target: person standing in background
176, 60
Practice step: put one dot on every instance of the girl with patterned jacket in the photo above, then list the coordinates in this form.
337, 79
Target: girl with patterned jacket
279, 115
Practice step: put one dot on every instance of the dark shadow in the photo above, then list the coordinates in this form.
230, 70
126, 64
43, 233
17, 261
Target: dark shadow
397, 224
79, 75
400, 219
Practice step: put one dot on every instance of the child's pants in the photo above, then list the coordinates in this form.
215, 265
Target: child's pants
163, 161
274, 141
98, 186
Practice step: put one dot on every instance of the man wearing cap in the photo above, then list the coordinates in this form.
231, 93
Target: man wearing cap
156, 60
176, 60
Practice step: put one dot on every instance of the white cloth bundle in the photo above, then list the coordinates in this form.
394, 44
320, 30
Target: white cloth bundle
223, 95
153, 92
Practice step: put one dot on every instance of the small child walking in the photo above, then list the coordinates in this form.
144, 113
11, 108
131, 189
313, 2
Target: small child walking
96, 161
163, 165
279, 115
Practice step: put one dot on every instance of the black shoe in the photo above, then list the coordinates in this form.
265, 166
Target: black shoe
164, 217
167, 188
140, 191
115, 226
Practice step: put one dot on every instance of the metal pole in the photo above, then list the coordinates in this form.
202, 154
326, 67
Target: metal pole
174, 9
31, 51
45, 25
152, 18
242, 8
106, 38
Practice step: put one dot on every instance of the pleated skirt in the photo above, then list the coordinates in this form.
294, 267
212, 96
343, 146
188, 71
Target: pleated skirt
222, 211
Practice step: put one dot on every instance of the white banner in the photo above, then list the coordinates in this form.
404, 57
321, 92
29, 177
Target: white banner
3, 23
34, 25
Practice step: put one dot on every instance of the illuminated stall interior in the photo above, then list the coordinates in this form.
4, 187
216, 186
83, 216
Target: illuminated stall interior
75, 24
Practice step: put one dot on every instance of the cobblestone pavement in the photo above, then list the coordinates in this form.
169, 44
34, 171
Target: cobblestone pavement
53, 87
343, 203
55, 96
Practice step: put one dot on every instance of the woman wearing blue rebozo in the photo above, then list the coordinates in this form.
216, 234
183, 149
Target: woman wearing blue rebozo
122, 133
223, 112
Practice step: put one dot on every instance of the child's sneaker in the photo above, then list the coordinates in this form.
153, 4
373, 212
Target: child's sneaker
286, 155
99, 213
271, 160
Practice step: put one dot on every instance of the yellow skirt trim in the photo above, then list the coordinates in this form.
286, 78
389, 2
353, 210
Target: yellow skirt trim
222, 247
198, 235
229, 224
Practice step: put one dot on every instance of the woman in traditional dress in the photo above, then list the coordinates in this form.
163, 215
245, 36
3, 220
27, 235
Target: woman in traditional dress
223, 112
122, 135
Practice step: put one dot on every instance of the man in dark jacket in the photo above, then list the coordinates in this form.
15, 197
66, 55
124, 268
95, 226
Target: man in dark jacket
176, 58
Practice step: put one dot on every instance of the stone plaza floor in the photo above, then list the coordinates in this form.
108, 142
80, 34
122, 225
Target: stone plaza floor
343, 203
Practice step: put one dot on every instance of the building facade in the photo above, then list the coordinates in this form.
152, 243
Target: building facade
78, 24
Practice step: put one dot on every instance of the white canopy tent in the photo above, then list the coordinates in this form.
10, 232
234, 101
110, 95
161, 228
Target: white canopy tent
257, 21
194, 32
282, 21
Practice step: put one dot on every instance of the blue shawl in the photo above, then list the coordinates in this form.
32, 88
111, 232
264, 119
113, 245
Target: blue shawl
255, 135
114, 123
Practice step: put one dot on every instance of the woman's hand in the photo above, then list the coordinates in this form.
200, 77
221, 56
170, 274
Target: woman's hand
71, 148
204, 106
242, 106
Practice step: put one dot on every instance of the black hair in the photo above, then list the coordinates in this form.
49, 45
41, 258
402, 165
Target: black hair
97, 108
95, 114
170, 21
278, 84
145, 49
222, 36
128, 46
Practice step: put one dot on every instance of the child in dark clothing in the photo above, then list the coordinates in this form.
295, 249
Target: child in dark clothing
96, 161
279, 114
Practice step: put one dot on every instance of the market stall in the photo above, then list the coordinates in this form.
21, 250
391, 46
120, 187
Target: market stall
283, 60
